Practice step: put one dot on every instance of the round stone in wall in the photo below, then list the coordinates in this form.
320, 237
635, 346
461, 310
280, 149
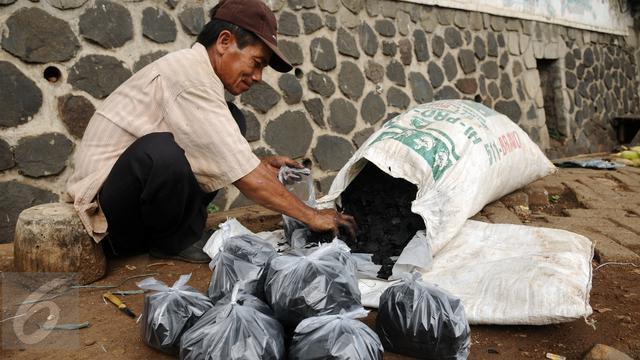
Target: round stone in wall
385, 28
332, 152
320, 83
372, 108
389, 48
467, 86
571, 80
361, 137
107, 24
291, 88
421, 48
350, 80
490, 69
288, 24
406, 48
447, 92
467, 61
98, 75
158, 26
311, 22
291, 51
315, 108
347, 44
506, 88
492, 44
261, 97
192, 20
509, 108
353, 5
34, 36
147, 59
21, 98
421, 88
395, 73
368, 39
66, 4
435, 74
397, 98
289, 134
43, 155
253, 126
450, 67
323, 55
588, 57
324, 185
6, 156
479, 49
374, 71
437, 45
15, 197
75, 112
452, 37
7, 2
330, 6
342, 116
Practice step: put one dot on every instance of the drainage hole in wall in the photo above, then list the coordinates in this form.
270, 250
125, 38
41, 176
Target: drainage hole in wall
298, 73
52, 74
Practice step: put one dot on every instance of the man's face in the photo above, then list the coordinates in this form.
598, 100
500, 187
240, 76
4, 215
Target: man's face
241, 68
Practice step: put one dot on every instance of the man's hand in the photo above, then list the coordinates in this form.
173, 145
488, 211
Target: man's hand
329, 220
274, 163
262, 187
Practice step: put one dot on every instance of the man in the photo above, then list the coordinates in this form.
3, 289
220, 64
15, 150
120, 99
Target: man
161, 145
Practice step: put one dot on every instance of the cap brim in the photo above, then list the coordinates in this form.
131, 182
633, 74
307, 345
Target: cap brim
278, 61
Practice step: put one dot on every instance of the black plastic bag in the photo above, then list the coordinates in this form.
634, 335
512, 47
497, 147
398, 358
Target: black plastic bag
237, 328
337, 337
321, 281
169, 312
243, 259
423, 321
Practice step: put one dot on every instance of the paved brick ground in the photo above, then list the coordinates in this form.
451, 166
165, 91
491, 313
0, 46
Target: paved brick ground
603, 205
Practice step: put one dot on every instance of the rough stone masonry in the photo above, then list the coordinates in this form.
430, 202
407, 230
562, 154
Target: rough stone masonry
357, 63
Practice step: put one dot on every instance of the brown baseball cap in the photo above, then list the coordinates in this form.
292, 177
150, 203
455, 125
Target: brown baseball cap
254, 16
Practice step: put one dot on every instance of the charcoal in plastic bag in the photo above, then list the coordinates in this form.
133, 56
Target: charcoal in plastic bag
169, 312
423, 321
321, 281
237, 328
337, 337
299, 183
243, 259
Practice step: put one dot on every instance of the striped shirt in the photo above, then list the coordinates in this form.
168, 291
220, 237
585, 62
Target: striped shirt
179, 93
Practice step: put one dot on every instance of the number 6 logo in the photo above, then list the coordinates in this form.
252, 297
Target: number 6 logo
28, 309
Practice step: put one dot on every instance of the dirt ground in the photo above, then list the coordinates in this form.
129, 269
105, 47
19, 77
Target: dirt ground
584, 204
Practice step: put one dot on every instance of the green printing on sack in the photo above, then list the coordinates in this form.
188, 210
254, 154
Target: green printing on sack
440, 155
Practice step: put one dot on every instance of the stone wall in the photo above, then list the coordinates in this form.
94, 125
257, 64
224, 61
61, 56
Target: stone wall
357, 63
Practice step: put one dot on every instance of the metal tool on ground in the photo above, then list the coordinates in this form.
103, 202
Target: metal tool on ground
118, 303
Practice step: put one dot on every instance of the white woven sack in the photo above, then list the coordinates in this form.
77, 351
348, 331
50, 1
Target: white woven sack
460, 154
510, 274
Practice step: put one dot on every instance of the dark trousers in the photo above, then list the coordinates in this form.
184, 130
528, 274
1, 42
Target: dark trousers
151, 198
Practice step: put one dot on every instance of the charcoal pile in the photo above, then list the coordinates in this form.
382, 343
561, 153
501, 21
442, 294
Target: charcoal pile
381, 205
